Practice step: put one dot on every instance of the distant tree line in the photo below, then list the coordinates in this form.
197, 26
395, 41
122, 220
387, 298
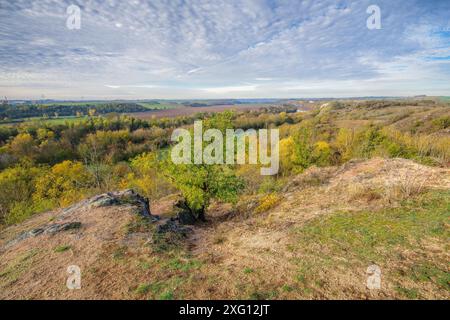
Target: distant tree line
9, 111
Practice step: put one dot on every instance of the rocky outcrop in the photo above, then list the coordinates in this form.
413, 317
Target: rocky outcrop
117, 198
126, 197
50, 229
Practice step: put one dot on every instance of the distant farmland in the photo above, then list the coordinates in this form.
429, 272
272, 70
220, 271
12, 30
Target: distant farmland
186, 111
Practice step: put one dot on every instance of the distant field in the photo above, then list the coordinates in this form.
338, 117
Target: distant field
186, 111
159, 106
59, 120
148, 105
75, 103
155, 110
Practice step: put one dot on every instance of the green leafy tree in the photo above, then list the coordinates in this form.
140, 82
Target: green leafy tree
303, 148
201, 183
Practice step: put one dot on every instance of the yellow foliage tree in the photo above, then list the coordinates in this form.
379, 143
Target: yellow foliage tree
345, 140
287, 156
145, 177
23, 145
322, 153
66, 183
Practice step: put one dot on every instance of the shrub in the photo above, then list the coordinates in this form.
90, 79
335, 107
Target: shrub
20, 211
268, 202
303, 148
442, 122
321, 153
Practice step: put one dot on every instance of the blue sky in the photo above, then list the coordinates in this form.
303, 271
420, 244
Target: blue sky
223, 49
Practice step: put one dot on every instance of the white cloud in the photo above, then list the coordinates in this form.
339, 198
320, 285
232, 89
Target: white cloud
209, 48
235, 89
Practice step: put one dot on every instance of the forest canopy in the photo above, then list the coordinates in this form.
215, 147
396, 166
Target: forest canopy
10, 111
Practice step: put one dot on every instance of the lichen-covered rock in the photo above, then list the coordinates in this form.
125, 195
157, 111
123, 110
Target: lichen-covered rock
48, 229
59, 227
124, 197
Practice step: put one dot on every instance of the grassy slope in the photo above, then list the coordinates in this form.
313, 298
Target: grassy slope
396, 239
313, 244
328, 258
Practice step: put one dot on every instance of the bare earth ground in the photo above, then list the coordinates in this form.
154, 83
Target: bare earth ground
315, 242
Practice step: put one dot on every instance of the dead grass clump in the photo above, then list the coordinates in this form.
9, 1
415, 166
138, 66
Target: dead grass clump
364, 192
312, 177
405, 186
246, 206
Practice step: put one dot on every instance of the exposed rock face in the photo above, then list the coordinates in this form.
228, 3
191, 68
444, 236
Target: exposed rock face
69, 219
114, 198
48, 229
126, 197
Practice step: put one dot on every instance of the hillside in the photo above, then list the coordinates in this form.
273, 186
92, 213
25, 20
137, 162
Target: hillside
314, 239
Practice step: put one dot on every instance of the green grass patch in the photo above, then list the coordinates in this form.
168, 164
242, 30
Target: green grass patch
17, 268
248, 270
348, 241
143, 289
287, 288
408, 293
168, 295
160, 290
144, 265
177, 264
369, 236
158, 106
62, 248
426, 272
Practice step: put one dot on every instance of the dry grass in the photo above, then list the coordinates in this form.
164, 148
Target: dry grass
316, 242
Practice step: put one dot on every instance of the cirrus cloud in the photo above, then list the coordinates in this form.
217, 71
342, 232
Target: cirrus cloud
223, 49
